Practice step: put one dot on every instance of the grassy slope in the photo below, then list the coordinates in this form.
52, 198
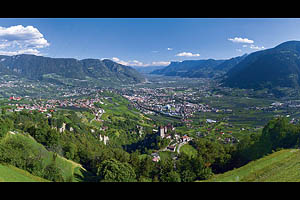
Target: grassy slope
281, 166
68, 167
12, 174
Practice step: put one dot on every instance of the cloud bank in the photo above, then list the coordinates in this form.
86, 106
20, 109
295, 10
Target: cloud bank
187, 54
21, 40
136, 63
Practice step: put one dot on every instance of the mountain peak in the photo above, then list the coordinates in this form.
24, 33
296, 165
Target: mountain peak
275, 67
293, 44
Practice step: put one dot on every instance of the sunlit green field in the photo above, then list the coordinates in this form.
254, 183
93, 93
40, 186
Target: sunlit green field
12, 174
67, 167
281, 166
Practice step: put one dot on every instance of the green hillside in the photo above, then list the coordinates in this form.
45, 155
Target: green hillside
10, 173
69, 170
69, 71
280, 63
281, 166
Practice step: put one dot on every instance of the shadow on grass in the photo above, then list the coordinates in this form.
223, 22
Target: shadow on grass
85, 176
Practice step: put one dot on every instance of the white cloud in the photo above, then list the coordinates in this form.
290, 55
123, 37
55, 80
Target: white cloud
187, 54
160, 63
245, 45
28, 36
117, 60
139, 63
241, 40
19, 39
256, 47
23, 51
239, 50
169, 49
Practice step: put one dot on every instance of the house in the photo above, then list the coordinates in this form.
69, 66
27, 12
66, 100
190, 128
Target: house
171, 148
156, 159
210, 121
15, 98
63, 128
105, 139
168, 136
166, 129
154, 154
185, 138
161, 131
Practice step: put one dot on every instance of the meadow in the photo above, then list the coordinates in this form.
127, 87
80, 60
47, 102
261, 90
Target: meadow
280, 166
10, 173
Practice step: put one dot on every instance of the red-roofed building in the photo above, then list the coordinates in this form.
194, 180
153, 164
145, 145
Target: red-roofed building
156, 159
185, 138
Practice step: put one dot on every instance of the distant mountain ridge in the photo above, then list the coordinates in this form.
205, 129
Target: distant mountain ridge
230, 63
199, 68
189, 68
56, 69
147, 70
275, 67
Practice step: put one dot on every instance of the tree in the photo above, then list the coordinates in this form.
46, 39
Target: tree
52, 172
70, 151
5, 126
187, 176
172, 176
112, 170
135, 161
3, 111
214, 154
146, 167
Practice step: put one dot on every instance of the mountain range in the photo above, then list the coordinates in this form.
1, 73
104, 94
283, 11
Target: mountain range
274, 67
189, 68
148, 69
62, 70
270, 68
199, 68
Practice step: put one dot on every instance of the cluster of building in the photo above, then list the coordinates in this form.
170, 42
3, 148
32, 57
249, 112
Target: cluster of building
9, 84
13, 98
38, 107
166, 101
167, 132
52, 104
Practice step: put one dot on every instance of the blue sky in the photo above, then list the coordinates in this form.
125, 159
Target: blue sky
144, 41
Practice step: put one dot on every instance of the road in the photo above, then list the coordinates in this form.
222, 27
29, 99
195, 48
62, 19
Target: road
179, 145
